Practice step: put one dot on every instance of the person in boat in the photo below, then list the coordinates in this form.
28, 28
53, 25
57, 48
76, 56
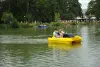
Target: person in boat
56, 33
64, 35
61, 32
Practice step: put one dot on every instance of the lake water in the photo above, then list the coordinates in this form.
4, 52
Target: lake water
30, 48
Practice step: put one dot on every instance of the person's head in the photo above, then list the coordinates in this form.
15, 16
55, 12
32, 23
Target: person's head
60, 30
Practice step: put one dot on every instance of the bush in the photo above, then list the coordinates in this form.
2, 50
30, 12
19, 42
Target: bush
9, 20
57, 16
31, 24
56, 23
74, 23
24, 25
7, 17
2, 26
14, 24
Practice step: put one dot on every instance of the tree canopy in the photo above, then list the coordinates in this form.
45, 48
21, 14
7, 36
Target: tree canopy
41, 10
94, 9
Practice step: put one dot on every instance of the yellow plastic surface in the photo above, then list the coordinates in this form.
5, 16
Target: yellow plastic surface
64, 40
64, 46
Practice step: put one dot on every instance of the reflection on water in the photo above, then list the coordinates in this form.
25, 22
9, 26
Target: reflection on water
64, 46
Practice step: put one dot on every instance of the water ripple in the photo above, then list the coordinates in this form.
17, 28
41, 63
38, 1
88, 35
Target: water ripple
12, 39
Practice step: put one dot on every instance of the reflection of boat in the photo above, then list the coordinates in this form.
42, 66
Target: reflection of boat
75, 39
64, 46
42, 26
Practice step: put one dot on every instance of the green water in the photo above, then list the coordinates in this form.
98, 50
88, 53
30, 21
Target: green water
29, 48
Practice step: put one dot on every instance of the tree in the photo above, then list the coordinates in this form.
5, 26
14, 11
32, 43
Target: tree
93, 9
42, 10
70, 9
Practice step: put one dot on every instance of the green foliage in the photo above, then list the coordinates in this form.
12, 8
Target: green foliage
94, 9
7, 17
57, 16
74, 23
40, 10
56, 23
9, 20
14, 24
67, 16
91, 8
25, 25
70, 9
2, 26
28, 17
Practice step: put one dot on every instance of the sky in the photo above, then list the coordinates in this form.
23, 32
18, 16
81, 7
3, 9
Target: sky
84, 3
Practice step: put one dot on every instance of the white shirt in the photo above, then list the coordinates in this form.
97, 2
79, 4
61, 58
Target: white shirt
55, 34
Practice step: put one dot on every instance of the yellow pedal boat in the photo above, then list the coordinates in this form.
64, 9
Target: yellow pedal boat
75, 39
